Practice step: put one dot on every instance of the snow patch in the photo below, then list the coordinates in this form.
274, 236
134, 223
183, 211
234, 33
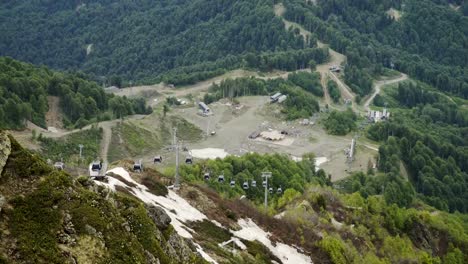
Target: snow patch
178, 209
287, 254
204, 255
209, 153
319, 161
236, 241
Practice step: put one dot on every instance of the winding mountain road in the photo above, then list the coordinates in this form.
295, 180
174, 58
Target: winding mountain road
378, 86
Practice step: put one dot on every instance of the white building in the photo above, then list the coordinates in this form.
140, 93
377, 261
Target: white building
377, 116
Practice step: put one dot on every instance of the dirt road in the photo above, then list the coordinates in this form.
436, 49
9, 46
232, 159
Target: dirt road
378, 86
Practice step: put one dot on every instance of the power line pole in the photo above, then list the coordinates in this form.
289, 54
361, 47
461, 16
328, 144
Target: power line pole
81, 149
266, 175
176, 145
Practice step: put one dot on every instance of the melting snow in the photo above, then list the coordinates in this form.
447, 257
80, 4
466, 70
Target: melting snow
204, 255
287, 254
178, 209
236, 241
319, 161
209, 153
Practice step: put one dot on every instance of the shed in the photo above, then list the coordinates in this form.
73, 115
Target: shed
275, 97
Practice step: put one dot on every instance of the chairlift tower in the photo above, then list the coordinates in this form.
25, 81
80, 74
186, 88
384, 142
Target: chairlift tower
81, 149
176, 146
266, 175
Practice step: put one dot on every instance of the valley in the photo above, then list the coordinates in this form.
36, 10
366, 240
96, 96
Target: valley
250, 131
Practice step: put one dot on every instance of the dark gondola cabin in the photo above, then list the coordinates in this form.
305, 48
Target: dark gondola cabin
157, 159
138, 166
221, 178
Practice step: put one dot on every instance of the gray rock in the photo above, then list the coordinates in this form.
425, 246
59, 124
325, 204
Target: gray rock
68, 225
126, 226
5, 150
90, 230
65, 239
178, 249
2, 202
150, 259
159, 216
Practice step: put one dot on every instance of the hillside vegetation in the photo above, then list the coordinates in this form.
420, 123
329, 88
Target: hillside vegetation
24, 89
140, 39
49, 217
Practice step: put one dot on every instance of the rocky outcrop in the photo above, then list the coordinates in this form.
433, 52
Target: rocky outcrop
5, 149
159, 216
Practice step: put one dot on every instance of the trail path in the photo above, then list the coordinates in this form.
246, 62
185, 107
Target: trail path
378, 86
336, 59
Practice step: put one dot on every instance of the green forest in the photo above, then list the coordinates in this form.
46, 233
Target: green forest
429, 42
301, 89
141, 39
24, 89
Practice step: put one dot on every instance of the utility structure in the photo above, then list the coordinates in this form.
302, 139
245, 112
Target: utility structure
176, 148
265, 176
81, 149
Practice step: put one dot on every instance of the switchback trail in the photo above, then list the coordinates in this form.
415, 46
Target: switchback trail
378, 86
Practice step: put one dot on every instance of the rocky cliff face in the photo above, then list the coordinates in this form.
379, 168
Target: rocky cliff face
5, 149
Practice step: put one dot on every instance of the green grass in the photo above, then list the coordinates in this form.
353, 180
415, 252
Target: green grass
67, 147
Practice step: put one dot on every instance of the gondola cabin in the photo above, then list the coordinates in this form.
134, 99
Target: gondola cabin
279, 190
233, 184
188, 160
206, 176
157, 159
221, 178
254, 184
245, 185
138, 166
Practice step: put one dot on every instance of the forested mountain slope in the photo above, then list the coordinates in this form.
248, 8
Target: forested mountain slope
429, 42
137, 39
49, 216
24, 89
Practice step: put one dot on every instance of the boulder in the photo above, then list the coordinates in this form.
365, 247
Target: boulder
159, 216
150, 259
